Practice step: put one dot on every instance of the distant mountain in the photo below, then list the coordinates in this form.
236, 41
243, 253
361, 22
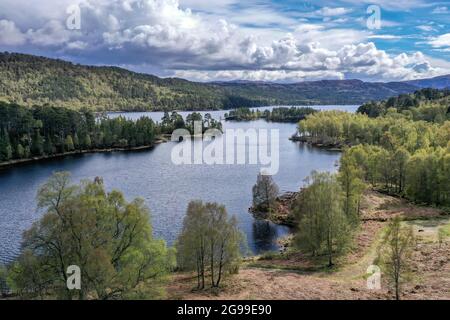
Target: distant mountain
318, 92
28, 80
441, 82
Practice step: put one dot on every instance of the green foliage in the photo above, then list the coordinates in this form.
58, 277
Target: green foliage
22, 130
68, 143
31, 80
324, 227
394, 254
20, 151
6, 151
108, 238
210, 242
265, 193
428, 176
427, 104
281, 114
173, 121
390, 131
352, 183
393, 152
87, 143
243, 114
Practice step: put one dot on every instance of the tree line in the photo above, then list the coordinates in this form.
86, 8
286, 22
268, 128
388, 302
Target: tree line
417, 151
172, 121
46, 130
426, 104
280, 114
30, 80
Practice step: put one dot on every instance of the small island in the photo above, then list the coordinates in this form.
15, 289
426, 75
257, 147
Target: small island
44, 132
279, 114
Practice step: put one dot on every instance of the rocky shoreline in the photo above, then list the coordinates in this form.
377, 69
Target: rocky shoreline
318, 144
281, 213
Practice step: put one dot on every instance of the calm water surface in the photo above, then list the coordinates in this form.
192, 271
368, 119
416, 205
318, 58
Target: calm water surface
166, 188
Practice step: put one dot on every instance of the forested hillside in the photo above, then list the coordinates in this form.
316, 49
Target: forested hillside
412, 136
29, 80
441, 82
426, 104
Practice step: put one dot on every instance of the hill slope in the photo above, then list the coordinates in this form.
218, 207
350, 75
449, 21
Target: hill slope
28, 80
441, 82
425, 104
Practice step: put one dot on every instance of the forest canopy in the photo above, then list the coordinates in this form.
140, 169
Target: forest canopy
427, 104
47, 131
30, 80
417, 151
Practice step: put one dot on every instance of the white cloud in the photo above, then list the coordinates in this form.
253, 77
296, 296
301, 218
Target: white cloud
441, 10
212, 6
384, 37
10, 35
394, 5
426, 28
162, 35
261, 16
259, 75
53, 33
77, 45
441, 41
363, 60
330, 12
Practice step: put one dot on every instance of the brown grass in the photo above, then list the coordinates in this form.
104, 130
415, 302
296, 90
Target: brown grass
295, 276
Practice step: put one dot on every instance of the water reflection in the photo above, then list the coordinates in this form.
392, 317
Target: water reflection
265, 235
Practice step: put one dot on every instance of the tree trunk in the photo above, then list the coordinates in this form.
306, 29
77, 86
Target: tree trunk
202, 266
198, 271
397, 291
330, 251
212, 263
220, 265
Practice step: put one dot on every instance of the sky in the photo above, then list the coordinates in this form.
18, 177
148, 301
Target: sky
223, 40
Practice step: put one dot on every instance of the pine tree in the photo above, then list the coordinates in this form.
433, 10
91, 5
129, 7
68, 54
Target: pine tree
265, 192
5, 146
76, 141
20, 151
69, 143
87, 144
37, 144
27, 152
48, 146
